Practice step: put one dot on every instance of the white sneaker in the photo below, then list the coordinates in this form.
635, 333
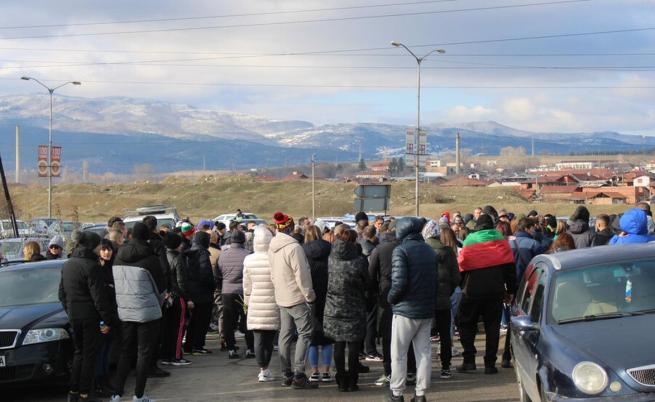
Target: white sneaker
115, 398
266, 376
142, 399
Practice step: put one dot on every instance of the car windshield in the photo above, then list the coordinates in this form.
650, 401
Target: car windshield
43, 286
20, 224
12, 250
68, 226
606, 291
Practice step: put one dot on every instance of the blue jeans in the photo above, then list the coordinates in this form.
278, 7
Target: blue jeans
326, 356
455, 298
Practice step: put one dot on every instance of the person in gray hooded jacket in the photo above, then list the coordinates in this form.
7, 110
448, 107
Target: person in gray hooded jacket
138, 280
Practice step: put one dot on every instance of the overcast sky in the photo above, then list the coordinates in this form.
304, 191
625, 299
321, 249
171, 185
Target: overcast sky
338, 66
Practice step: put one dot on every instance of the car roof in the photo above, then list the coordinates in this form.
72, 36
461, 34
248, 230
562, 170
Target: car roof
48, 264
598, 255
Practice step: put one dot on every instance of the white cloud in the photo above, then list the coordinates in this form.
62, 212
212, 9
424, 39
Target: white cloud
548, 109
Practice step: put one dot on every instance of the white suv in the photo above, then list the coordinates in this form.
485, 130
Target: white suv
164, 214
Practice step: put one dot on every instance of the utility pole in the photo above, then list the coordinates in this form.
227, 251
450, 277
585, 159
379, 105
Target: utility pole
85, 171
458, 161
314, 187
17, 177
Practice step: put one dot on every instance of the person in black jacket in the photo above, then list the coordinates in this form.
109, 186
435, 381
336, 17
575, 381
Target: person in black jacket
85, 299
486, 283
317, 251
413, 296
176, 305
380, 276
158, 247
579, 229
110, 347
448, 279
201, 292
603, 230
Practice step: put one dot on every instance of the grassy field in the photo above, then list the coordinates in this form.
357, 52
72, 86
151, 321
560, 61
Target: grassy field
209, 196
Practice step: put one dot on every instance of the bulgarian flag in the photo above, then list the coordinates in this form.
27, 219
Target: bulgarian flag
484, 249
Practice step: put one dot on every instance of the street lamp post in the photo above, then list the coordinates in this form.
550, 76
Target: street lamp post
419, 60
50, 91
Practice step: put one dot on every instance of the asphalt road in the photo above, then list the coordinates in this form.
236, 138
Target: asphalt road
215, 378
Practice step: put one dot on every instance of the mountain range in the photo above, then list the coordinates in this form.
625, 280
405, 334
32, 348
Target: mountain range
117, 133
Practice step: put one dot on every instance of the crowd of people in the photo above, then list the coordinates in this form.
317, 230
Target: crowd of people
380, 291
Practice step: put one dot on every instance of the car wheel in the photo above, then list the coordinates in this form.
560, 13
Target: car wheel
523, 396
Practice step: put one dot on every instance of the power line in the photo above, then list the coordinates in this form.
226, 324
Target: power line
264, 13
345, 67
500, 40
349, 86
318, 20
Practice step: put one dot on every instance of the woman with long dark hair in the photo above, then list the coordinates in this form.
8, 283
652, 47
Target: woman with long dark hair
317, 251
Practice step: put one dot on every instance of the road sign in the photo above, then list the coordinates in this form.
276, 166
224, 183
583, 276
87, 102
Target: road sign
372, 198
56, 161
412, 150
43, 161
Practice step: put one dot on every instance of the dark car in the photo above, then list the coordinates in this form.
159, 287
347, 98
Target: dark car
583, 326
35, 340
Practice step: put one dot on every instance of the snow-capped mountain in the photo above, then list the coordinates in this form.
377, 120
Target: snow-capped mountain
145, 131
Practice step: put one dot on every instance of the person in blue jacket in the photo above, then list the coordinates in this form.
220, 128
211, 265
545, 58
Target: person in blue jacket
634, 226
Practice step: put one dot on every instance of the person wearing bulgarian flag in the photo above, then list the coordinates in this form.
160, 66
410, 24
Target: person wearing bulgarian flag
487, 264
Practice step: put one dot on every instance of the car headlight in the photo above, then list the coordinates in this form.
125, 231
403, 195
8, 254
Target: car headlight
590, 378
45, 335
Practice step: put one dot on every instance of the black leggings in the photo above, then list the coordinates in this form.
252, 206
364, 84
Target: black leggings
340, 356
443, 329
264, 347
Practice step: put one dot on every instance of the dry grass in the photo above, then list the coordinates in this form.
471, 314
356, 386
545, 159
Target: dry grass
209, 196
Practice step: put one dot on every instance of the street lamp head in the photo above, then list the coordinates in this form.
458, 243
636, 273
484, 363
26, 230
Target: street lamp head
441, 51
76, 83
395, 43
25, 78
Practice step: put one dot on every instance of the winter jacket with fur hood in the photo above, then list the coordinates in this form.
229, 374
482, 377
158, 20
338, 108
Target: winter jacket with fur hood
290, 272
258, 290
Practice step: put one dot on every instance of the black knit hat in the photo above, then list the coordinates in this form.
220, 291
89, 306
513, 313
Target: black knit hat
172, 240
361, 216
89, 240
140, 232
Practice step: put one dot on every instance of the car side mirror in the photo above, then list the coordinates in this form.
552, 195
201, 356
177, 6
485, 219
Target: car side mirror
524, 324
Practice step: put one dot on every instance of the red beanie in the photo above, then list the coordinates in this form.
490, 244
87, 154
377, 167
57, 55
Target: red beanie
282, 221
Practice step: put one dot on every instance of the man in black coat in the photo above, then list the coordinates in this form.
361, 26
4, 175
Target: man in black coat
201, 292
413, 296
379, 270
156, 243
85, 299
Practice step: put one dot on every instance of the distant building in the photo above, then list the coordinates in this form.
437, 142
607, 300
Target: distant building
576, 165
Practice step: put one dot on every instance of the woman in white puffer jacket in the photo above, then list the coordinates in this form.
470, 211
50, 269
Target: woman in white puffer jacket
259, 295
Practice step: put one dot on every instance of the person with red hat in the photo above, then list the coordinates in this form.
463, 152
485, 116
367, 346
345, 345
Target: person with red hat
292, 280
